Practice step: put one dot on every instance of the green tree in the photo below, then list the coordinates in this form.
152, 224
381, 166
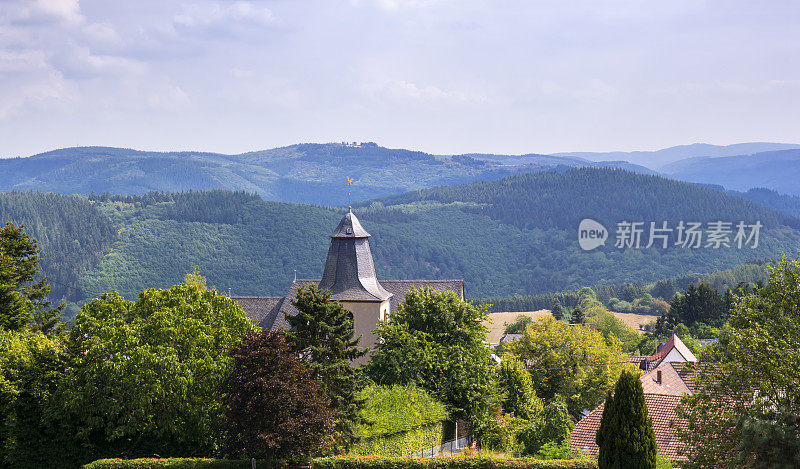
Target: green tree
518, 326
745, 410
514, 381
700, 303
323, 332
195, 279
23, 298
557, 310
573, 361
577, 316
436, 341
552, 425
144, 375
274, 407
626, 437
608, 325
31, 371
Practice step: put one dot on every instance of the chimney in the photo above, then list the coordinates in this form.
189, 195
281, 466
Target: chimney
658, 376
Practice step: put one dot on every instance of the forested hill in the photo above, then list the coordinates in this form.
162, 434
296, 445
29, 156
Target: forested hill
72, 233
307, 173
514, 236
562, 200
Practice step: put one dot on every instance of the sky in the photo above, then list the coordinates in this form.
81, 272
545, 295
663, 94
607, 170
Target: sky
446, 77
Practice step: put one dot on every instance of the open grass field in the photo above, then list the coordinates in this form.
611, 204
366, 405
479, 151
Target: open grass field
497, 322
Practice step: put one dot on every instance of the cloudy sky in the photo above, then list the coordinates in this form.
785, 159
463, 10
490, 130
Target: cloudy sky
442, 76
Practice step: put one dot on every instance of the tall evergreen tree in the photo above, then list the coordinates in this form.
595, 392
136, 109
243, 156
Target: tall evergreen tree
626, 437
23, 298
557, 310
323, 333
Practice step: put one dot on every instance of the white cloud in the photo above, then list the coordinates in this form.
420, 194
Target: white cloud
80, 62
207, 14
42, 11
407, 91
169, 98
397, 4
23, 60
51, 91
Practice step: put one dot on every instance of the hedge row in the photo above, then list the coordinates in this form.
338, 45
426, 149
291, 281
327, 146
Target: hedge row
455, 462
352, 462
173, 463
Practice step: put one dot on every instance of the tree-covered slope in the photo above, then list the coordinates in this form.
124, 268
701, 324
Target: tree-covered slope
514, 236
562, 200
72, 233
307, 173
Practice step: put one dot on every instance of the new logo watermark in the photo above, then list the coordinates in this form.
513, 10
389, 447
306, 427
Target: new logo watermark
591, 234
685, 235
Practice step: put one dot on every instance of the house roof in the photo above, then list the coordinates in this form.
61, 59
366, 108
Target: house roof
672, 382
259, 308
510, 337
270, 312
651, 362
660, 409
661, 398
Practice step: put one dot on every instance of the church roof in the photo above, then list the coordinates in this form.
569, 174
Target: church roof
275, 318
261, 309
349, 270
350, 227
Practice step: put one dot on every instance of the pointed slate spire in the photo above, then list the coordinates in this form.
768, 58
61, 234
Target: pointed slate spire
349, 270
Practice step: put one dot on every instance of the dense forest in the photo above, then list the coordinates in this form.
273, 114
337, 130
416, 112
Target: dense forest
516, 236
72, 233
561, 200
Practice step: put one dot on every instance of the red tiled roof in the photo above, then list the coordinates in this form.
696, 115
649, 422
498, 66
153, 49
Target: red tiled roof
660, 409
670, 383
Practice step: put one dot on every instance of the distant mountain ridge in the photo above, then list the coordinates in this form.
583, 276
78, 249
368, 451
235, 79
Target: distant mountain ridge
657, 159
775, 170
306, 173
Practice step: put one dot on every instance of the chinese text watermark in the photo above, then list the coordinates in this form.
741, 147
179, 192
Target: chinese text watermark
684, 235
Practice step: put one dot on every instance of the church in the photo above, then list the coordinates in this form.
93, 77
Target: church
350, 276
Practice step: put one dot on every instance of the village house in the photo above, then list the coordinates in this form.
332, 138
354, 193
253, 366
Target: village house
350, 276
669, 375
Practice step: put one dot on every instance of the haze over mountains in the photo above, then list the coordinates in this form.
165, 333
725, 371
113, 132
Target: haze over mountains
657, 159
316, 173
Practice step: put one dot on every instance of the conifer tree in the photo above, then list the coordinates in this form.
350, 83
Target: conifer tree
557, 310
322, 332
23, 298
626, 437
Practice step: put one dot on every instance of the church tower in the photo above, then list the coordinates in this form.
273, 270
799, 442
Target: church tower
350, 276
